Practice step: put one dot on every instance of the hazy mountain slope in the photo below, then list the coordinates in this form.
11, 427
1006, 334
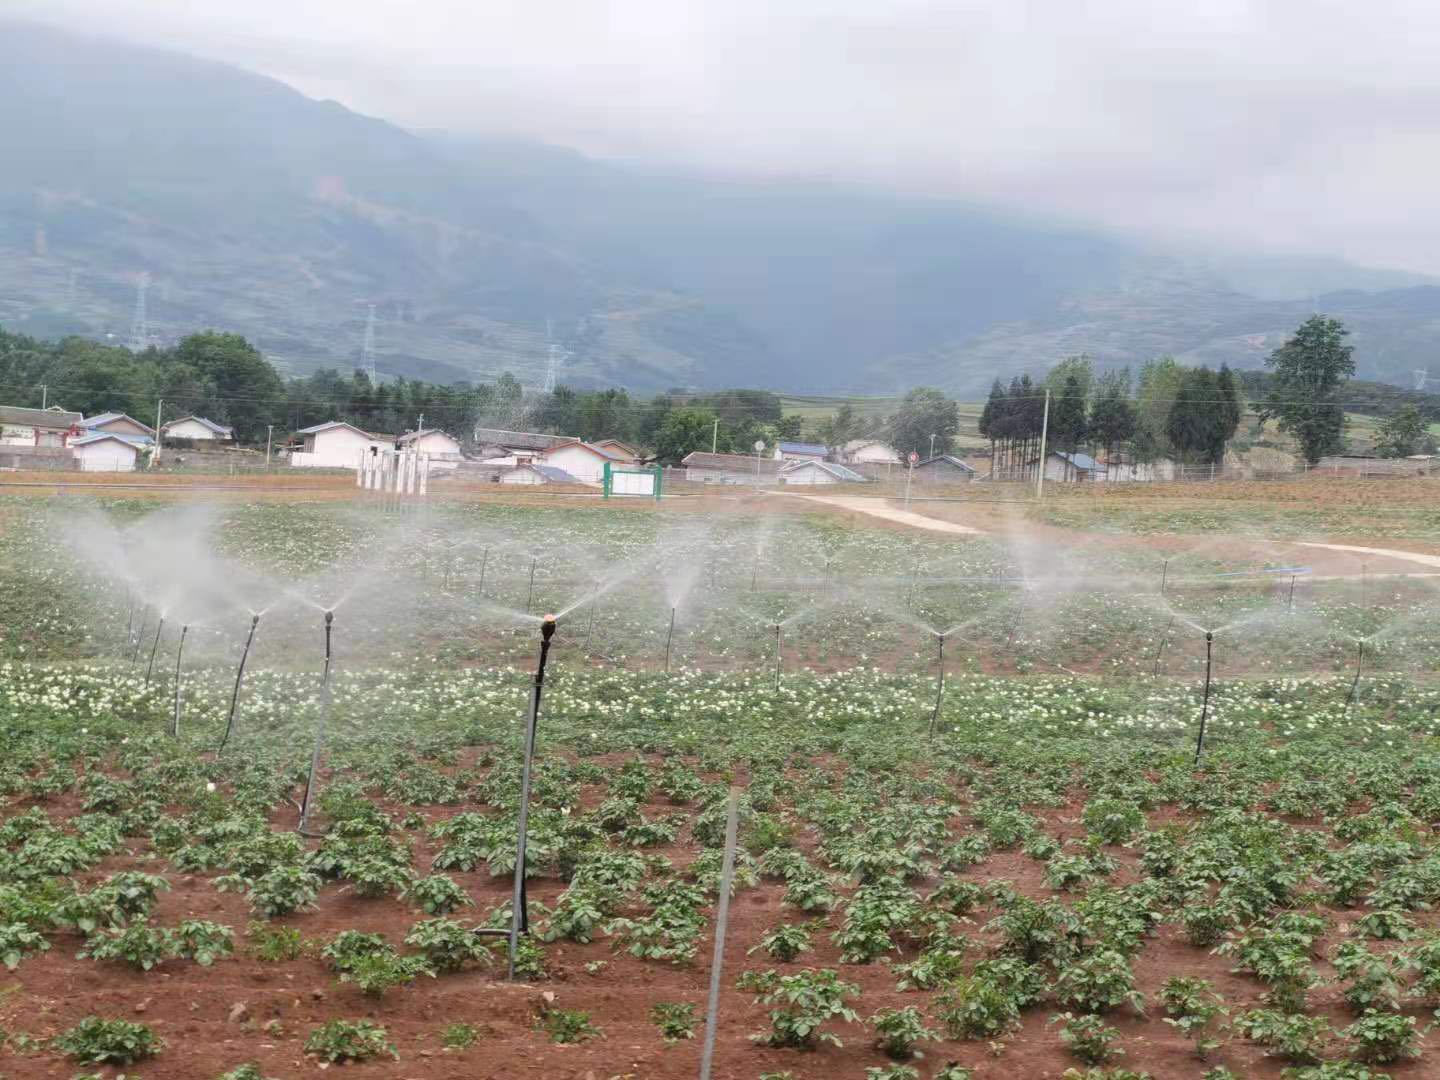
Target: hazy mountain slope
255, 209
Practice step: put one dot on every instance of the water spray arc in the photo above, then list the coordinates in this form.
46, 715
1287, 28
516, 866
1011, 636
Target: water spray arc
519, 910
150, 667
1163, 639
239, 676
1205, 699
308, 801
140, 634
179, 653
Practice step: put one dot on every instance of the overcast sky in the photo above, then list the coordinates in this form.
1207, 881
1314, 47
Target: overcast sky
1286, 125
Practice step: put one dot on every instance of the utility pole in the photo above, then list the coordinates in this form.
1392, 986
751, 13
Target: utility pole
932, 446
269, 431
715, 436
158, 406
44, 395
1044, 433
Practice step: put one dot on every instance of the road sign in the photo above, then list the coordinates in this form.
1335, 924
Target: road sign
914, 457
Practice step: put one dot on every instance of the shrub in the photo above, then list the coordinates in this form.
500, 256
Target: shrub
273, 944
1296, 1038
1331, 1070
204, 941
1113, 820
447, 945
248, 1071
459, 1036
675, 1019
1191, 1006
141, 946
349, 946
94, 1041
1372, 981
807, 1001
437, 894
338, 1041
934, 967
784, 942
899, 1030
1381, 1038
281, 891
377, 972
1088, 1037
1098, 982
975, 1007
892, 1072
18, 941
1386, 925
568, 1026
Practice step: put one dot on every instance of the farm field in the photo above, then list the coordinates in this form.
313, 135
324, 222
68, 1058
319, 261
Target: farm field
974, 838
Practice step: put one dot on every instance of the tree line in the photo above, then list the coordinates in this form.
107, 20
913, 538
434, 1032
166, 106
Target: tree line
1166, 410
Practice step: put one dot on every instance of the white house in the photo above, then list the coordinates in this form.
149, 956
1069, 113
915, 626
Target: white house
101, 452
944, 469
534, 474
798, 451
338, 445
1061, 466
37, 427
1161, 471
126, 427
496, 446
624, 449
870, 452
197, 428
431, 441
706, 468
584, 461
818, 472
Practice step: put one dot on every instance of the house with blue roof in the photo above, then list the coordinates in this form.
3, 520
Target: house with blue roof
799, 451
1076, 467
120, 426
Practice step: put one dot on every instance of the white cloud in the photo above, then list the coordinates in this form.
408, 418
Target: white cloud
1289, 124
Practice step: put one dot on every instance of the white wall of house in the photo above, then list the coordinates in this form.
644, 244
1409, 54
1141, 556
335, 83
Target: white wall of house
521, 475
17, 435
809, 473
338, 448
106, 455
1120, 472
189, 429
875, 453
434, 443
580, 462
1057, 468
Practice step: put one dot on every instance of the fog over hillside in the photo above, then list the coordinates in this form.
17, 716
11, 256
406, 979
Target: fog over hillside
251, 207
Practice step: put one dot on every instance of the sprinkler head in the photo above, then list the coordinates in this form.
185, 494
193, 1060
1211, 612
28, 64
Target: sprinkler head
254, 620
1209, 635
547, 627
329, 617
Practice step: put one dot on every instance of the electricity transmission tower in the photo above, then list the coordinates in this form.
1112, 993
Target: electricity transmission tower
139, 322
367, 348
557, 355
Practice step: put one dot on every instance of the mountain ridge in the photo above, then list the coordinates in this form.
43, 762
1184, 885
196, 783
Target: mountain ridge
256, 209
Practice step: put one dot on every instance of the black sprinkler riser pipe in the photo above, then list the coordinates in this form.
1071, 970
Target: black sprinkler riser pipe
239, 675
